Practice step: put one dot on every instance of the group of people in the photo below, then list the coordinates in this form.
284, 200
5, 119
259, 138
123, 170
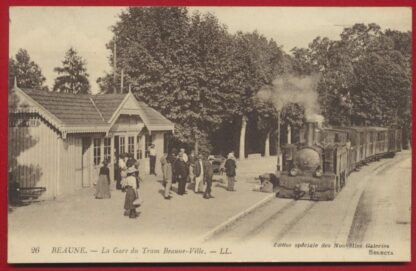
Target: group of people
127, 180
195, 169
177, 167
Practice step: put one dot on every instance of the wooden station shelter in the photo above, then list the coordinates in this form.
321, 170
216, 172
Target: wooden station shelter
59, 141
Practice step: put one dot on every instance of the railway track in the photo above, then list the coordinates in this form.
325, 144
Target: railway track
269, 223
280, 220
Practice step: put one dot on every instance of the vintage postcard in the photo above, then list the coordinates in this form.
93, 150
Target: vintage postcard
209, 134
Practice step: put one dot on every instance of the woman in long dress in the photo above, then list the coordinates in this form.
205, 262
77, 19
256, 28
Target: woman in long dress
103, 183
131, 193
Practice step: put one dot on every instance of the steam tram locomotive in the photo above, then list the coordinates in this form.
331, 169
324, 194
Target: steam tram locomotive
318, 167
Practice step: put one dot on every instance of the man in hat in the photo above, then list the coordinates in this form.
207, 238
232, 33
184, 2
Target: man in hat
181, 171
208, 173
230, 171
199, 172
152, 158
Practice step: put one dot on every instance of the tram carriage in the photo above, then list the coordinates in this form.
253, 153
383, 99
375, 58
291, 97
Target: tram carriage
318, 167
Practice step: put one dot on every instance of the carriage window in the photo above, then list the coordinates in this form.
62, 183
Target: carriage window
107, 149
130, 146
122, 145
97, 151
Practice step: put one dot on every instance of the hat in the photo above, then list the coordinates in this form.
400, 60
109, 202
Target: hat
131, 170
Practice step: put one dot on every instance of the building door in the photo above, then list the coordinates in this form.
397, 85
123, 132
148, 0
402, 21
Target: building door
86, 161
97, 158
116, 154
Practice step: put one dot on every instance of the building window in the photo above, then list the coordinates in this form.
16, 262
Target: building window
139, 154
130, 146
107, 149
148, 140
97, 151
121, 145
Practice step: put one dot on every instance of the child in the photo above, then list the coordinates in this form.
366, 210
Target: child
131, 195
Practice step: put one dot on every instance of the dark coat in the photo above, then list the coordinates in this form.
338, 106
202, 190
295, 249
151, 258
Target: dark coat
197, 170
230, 167
181, 169
208, 170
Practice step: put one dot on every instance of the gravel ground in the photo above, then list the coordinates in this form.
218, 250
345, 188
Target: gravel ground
81, 216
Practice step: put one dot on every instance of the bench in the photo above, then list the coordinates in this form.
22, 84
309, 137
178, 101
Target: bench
18, 195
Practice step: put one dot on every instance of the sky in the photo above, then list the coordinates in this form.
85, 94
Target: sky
48, 32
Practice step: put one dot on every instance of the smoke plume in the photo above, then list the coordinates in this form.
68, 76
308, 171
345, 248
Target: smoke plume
293, 89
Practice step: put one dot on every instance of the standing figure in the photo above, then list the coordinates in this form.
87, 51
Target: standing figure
131, 193
199, 173
181, 171
208, 173
103, 184
174, 153
230, 171
167, 174
121, 165
184, 155
152, 158
162, 165
191, 162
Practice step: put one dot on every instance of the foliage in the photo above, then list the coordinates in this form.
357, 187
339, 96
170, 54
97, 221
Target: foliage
27, 73
189, 67
72, 76
366, 75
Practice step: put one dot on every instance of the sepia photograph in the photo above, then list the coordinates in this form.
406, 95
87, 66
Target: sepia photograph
209, 134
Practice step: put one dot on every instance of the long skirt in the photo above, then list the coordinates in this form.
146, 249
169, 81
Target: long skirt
102, 188
130, 198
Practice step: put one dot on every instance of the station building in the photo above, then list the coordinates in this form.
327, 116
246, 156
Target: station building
59, 141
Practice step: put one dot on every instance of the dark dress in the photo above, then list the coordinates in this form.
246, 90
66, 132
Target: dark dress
131, 193
103, 184
230, 167
181, 172
130, 198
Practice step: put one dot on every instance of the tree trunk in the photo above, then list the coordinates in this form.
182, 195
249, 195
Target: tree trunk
196, 147
267, 145
242, 153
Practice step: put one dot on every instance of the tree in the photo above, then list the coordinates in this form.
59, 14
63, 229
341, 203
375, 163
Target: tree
257, 62
72, 76
26, 72
366, 76
176, 63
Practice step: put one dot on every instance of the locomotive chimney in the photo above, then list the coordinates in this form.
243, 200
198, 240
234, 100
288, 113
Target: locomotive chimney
310, 133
